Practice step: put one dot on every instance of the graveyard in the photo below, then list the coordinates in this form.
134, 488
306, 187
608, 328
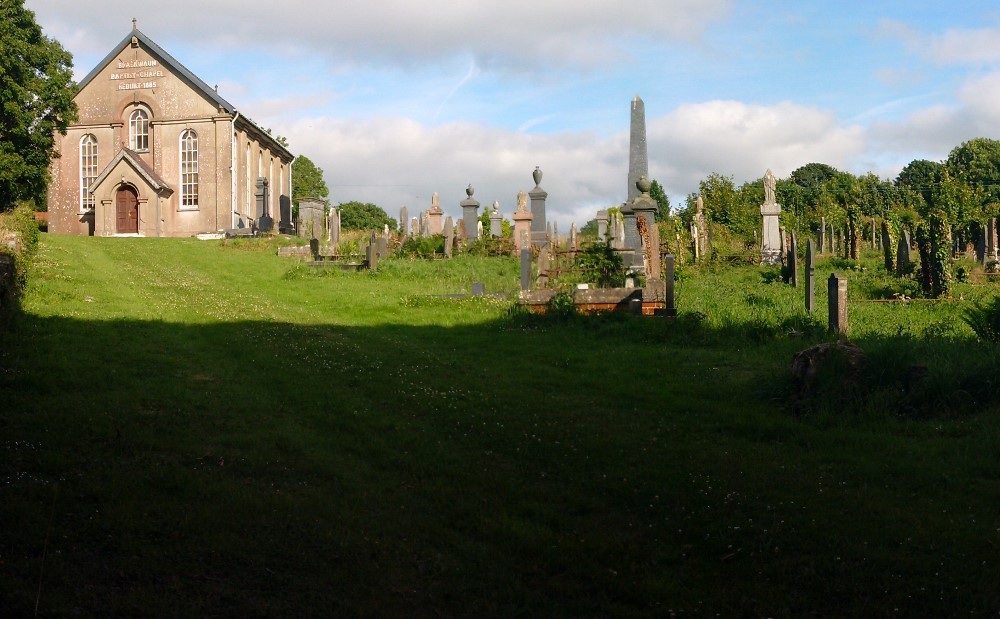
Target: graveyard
208, 427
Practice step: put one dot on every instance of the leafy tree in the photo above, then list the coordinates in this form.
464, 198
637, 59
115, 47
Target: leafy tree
307, 182
919, 177
813, 176
364, 216
977, 163
36, 91
657, 193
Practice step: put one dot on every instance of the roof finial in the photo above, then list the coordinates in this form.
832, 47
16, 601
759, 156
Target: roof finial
133, 24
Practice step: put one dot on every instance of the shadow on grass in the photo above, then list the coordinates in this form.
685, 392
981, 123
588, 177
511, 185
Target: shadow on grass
524, 466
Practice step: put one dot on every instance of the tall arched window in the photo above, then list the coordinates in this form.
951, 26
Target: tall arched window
138, 130
249, 185
88, 170
189, 169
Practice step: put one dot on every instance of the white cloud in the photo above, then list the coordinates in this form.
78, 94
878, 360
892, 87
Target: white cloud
520, 35
734, 138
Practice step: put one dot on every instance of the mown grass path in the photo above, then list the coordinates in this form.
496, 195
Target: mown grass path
197, 429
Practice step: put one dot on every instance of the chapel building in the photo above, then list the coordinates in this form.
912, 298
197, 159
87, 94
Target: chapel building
157, 152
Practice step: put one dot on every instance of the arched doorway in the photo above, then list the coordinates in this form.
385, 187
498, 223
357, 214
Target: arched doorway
128, 210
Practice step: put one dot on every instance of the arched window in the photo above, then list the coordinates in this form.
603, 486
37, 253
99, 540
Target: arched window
138, 130
249, 185
88, 170
189, 169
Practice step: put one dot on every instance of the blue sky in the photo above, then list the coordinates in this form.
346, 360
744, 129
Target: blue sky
396, 100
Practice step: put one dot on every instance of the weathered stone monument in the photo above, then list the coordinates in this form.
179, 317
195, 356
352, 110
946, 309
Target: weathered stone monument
792, 262
903, 254
822, 235
699, 235
522, 222
404, 222
470, 214
539, 230
496, 221
574, 240
434, 214
414, 227
311, 219
887, 247
770, 238
333, 225
602, 226
810, 277
525, 268
630, 238
449, 237
991, 240
638, 158
837, 300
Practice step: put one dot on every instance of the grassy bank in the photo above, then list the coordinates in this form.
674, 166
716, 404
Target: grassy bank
199, 428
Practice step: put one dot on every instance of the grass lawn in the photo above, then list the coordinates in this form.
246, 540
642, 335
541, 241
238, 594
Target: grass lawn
205, 429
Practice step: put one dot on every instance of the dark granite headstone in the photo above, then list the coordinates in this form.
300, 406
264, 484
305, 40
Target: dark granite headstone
837, 300
810, 277
887, 248
793, 261
470, 214
903, 254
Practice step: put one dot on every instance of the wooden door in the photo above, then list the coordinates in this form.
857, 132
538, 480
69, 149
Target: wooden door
128, 211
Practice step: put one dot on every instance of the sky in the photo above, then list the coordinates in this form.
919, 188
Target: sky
396, 99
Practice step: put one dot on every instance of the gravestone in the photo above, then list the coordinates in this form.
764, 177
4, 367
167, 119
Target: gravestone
836, 288
695, 250
668, 281
822, 235
382, 246
525, 268
701, 235
372, 255
887, 248
434, 215
261, 196
479, 229
542, 281
783, 233
314, 248
574, 241
991, 240
602, 226
333, 224
470, 214
460, 234
652, 250
404, 222
539, 230
793, 260
310, 219
496, 221
981, 243
770, 238
638, 157
522, 222
478, 289
449, 237
903, 254
630, 237
810, 277
414, 227
644, 206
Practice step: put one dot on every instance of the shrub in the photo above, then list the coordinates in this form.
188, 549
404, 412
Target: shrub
604, 262
984, 319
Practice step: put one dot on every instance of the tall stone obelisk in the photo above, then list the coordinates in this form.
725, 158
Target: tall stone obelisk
638, 157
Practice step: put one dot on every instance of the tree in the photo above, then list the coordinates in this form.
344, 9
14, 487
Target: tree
977, 162
307, 182
662, 201
919, 177
36, 91
364, 216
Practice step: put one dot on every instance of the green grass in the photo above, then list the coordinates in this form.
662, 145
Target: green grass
203, 429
